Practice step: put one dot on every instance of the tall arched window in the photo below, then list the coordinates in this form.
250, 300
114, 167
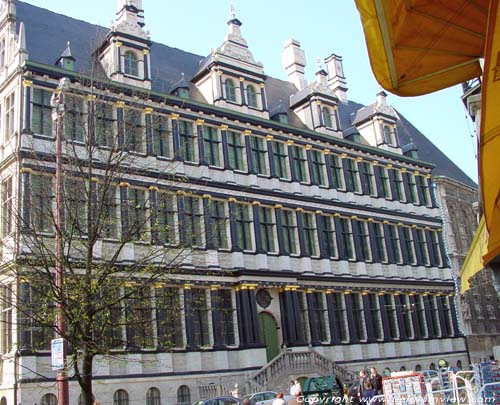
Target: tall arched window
432, 366
49, 399
418, 367
183, 394
130, 63
251, 96
230, 90
327, 117
3, 401
120, 397
153, 396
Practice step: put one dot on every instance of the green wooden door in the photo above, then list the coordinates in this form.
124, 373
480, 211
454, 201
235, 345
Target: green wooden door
268, 331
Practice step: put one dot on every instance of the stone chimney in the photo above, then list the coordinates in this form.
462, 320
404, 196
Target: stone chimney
294, 62
381, 99
336, 78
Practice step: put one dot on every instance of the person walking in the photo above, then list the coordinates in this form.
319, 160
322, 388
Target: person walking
279, 399
368, 392
376, 380
363, 377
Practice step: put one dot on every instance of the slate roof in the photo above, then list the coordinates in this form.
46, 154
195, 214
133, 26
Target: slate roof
47, 34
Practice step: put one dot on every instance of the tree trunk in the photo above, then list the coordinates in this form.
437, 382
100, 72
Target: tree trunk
87, 378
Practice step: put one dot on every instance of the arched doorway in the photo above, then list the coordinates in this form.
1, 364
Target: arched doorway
268, 334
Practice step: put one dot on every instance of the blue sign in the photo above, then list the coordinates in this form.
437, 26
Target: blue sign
57, 354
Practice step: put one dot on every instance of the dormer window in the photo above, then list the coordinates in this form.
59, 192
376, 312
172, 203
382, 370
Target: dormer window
130, 64
230, 90
389, 135
182, 92
251, 96
327, 117
283, 118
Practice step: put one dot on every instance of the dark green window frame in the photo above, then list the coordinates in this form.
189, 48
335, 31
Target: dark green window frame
318, 168
289, 232
41, 119
235, 147
298, 161
160, 131
211, 142
187, 140
266, 229
259, 154
280, 158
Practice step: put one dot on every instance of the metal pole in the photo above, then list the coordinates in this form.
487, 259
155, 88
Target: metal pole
62, 381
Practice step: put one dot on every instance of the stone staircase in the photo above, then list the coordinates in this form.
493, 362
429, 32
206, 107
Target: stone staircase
290, 364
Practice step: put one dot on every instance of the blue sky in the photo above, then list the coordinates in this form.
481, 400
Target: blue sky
323, 27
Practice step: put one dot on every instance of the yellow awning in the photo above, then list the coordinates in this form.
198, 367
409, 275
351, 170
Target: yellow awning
474, 260
420, 46
489, 154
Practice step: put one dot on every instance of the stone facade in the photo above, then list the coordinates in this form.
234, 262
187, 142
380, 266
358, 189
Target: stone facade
313, 229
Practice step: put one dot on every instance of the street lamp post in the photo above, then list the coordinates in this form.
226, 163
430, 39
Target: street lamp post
62, 378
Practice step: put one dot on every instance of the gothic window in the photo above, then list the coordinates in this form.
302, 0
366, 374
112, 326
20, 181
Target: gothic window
230, 90
120, 397
251, 96
130, 64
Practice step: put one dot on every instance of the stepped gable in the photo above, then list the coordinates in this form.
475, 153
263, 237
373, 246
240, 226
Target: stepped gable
48, 32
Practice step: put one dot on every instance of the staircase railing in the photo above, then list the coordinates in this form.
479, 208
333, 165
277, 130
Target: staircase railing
289, 362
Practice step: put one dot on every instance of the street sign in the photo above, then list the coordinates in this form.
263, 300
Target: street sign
57, 351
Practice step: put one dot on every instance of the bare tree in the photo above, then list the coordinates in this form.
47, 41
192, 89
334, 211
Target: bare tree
119, 234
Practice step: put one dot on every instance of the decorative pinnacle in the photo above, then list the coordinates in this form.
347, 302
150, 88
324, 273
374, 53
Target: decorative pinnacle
233, 10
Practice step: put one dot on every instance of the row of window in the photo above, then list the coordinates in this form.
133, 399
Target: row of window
233, 150
120, 397
169, 317
247, 94
158, 217
368, 317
